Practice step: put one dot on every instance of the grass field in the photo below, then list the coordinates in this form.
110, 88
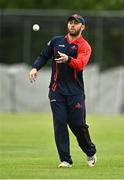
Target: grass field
27, 149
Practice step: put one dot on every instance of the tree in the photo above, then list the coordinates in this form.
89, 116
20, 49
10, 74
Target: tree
64, 4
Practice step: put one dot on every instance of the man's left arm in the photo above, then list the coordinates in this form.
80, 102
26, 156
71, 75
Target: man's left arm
76, 63
82, 59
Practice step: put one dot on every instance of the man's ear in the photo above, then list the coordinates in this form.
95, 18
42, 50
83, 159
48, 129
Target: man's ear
83, 27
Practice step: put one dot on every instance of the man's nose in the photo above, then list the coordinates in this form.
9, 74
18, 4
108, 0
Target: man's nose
72, 24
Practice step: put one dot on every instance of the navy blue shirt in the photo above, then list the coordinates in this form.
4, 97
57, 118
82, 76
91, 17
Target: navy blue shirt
66, 77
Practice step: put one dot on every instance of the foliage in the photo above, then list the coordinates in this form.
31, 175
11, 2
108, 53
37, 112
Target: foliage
64, 4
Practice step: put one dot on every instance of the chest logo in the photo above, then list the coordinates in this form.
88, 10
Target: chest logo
61, 45
73, 47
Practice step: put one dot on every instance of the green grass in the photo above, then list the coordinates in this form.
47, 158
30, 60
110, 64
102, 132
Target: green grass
27, 148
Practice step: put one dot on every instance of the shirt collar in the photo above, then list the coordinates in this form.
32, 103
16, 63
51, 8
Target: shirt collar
79, 39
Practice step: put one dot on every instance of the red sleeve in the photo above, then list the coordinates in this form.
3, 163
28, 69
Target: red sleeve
82, 59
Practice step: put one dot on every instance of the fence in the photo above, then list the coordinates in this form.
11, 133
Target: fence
104, 31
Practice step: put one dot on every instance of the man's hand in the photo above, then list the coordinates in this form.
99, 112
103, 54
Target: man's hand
62, 59
33, 75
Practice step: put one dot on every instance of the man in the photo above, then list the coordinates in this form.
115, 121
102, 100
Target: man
69, 54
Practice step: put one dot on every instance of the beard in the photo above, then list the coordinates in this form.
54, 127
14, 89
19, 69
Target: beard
74, 32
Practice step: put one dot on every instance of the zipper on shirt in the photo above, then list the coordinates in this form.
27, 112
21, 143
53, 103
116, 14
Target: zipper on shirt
75, 75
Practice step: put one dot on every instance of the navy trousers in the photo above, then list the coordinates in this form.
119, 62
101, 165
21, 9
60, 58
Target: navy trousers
69, 110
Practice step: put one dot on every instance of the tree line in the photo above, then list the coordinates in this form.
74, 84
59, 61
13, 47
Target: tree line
64, 4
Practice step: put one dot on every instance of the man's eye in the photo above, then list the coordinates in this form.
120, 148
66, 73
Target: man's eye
73, 22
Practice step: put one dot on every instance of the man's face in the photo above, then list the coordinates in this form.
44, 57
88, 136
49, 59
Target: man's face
74, 27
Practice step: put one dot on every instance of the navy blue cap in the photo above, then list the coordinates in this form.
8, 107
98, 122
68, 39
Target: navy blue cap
78, 18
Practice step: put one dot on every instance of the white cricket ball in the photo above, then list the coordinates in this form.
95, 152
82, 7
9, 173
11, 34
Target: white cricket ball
36, 27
